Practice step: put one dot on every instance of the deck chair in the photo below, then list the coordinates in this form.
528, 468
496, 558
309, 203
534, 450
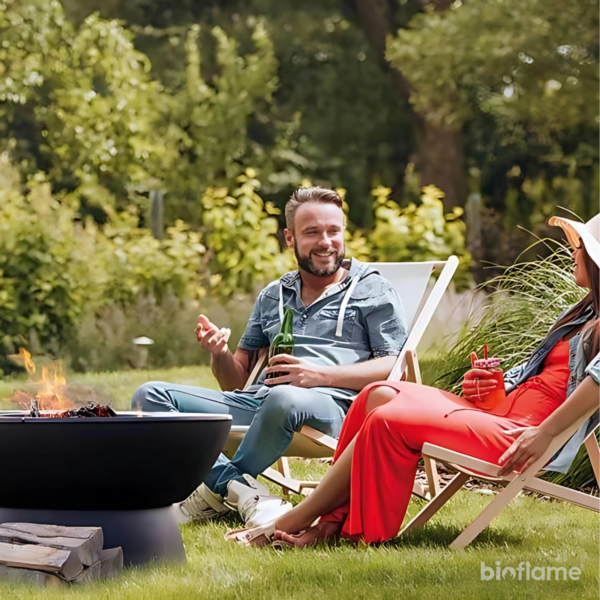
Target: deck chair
469, 467
410, 280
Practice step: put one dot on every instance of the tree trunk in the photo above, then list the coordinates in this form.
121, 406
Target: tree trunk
439, 150
440, 153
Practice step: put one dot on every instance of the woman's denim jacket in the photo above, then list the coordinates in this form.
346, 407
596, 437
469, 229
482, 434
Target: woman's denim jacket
579, 368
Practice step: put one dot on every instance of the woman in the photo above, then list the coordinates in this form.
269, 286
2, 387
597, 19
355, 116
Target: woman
367, 490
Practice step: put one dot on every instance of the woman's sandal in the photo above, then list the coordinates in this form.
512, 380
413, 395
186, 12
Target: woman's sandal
255, 536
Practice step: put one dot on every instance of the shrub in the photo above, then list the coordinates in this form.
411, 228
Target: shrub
104, 340
417, 232
53, 265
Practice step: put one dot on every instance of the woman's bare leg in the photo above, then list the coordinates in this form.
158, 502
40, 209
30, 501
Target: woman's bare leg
333, 490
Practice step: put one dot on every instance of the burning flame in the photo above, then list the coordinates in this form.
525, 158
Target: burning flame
27, 360
51, 386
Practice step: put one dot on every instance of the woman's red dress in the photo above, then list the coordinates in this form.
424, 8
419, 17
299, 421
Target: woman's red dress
389, 440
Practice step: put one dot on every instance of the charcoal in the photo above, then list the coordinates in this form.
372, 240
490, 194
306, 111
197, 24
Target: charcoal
87, 412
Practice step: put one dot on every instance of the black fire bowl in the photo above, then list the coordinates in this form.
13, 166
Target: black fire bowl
122, 473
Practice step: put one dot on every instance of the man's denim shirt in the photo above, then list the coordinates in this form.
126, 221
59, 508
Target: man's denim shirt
372, 323
579, 369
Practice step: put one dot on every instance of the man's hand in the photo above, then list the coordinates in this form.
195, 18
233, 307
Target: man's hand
212, 338
478, 383
298, 372
530, 445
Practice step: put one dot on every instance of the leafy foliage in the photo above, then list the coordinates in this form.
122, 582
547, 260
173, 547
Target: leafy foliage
522, 60
523, 304
240, 233
519, 78
53, 265
81, 106
417, 232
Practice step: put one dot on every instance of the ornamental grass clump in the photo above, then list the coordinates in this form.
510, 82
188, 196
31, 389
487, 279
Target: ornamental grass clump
523, 304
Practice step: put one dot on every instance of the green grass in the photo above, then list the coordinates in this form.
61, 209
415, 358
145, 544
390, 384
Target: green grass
418, 566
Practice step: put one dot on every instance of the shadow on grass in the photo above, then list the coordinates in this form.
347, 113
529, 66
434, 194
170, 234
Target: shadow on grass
439, 535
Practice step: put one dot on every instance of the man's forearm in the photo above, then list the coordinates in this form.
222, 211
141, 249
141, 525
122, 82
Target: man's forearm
358, 375
230, 374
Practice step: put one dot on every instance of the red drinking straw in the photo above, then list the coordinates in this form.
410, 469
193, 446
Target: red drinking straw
485, 355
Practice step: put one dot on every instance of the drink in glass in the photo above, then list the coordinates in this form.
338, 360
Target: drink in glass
492, 365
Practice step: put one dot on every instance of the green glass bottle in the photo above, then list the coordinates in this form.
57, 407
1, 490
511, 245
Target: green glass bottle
283, 342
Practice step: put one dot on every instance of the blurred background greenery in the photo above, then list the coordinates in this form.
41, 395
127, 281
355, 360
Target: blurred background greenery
148, 147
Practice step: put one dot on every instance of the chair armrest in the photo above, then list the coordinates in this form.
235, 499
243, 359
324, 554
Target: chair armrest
461, 460
319, 438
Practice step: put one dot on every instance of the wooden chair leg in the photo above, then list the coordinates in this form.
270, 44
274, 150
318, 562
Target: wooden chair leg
491, 511
277, 478
413, 372
593, 450
436, 503
433, 479
283, 466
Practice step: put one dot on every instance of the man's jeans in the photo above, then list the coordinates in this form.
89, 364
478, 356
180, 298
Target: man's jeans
272, 419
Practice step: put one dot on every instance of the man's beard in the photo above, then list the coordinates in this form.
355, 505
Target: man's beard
306, 263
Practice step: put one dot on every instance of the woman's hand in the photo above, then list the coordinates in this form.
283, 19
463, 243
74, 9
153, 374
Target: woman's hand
530, 445
478, 383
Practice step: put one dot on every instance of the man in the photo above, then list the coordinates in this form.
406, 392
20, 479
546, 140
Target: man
349, 326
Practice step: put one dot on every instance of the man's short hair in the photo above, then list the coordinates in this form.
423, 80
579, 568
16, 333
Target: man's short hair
309, 194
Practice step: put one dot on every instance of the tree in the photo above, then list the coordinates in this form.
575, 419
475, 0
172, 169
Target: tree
81, 106
439, 144
522, 78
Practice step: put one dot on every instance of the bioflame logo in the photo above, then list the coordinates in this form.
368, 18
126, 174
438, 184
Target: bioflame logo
525, 572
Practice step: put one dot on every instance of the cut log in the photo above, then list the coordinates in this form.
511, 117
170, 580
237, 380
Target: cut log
111, 560
57, 530
35, 578
63, 563
85, 542
89, 574
109, 566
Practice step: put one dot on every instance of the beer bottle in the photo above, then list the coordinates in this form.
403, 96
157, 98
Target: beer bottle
283, 342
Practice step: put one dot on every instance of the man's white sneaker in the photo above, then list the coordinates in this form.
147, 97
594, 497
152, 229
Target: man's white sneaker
254, 502
203, 505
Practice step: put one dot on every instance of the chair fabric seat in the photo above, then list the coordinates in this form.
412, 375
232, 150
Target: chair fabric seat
301, 445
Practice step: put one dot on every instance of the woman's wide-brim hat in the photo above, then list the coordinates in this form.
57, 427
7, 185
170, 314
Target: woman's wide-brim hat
588, 233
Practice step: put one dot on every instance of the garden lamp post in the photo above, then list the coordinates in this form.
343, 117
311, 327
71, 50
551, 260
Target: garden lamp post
141, 351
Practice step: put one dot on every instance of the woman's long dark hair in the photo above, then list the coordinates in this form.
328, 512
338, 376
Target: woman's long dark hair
592, 299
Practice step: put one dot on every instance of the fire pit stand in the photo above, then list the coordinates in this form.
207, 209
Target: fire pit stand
122, 474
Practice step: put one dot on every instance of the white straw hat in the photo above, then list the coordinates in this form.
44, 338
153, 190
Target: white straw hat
588, 233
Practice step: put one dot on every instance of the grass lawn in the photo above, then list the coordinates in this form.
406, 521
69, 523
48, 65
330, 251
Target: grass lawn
545, 534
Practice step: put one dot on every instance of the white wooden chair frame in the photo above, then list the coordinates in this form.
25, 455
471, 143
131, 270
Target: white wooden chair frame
469, 467
311, 443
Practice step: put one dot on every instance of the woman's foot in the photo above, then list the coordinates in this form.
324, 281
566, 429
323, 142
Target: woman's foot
309, 537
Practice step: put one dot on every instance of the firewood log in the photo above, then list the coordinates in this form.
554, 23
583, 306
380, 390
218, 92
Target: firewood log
85, 542
64, 563
109, 566
29, 577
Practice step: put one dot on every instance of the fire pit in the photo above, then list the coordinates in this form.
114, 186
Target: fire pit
122, 473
